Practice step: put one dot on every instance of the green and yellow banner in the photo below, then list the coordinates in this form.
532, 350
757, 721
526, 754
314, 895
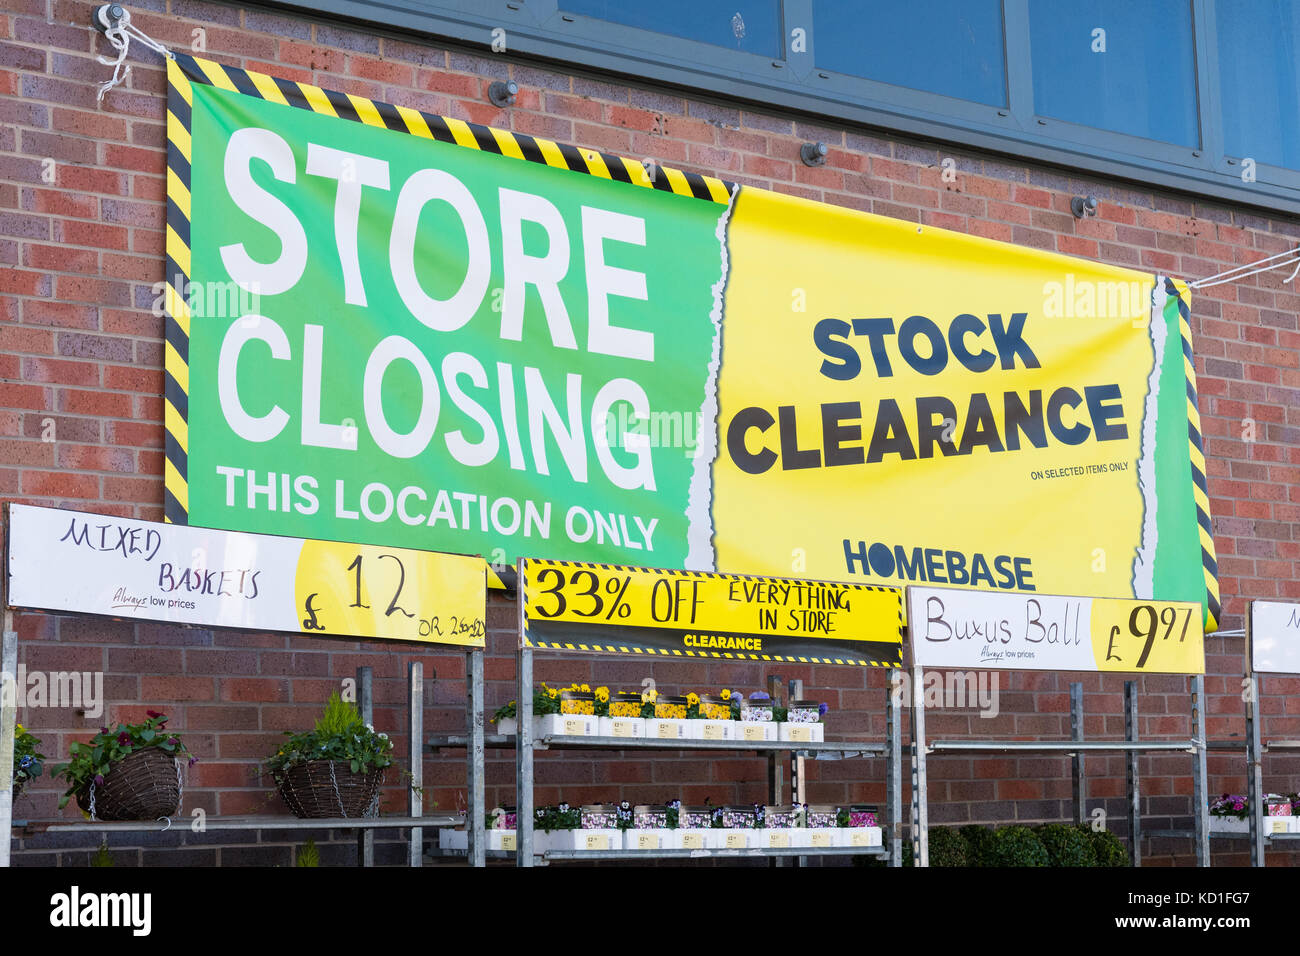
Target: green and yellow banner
396, 328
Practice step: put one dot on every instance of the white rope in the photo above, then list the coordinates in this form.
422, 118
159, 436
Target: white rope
119, 37
1248, 269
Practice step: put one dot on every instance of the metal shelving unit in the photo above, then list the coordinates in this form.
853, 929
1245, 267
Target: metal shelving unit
526, 745
1273, 661
1076, 747
889, 748
364, 826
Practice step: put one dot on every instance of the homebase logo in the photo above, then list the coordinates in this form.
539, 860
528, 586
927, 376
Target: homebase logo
75, 909
79, 690
939, 565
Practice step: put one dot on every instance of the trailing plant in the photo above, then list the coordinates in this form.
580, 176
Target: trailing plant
674, 814
1230, 805
92, 761
339, 734
546, 700
562, 817
1066, 845
28, 761
623, 816
1018, 846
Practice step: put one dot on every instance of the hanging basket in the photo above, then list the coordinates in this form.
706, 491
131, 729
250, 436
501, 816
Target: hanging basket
328, 788
144, 785
18, 788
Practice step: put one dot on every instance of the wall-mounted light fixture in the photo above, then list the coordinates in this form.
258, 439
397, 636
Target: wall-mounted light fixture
813, 154
502, 93
1083, 206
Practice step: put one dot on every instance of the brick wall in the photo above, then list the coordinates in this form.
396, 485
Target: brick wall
81, 246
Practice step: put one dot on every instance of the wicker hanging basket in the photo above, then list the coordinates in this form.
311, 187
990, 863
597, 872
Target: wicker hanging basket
328, 788
144, 785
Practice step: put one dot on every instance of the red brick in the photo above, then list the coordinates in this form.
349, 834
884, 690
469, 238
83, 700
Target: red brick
58, 484
61, 258
57, 372
60, 203
254, 689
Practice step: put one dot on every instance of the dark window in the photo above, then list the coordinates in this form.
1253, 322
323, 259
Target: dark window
1259, 80
952, 47
1117, 65
751, 26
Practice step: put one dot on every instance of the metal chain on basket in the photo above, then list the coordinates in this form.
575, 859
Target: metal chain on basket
337, 796
373, 809
180, 787
92, 801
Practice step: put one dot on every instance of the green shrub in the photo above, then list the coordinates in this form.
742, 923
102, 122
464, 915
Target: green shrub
1106, 847
1066, 845
979, 845
1018, 846
948, 848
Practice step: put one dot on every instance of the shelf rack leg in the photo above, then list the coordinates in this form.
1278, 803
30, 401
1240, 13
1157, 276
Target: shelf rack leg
894, 768
1076, 761
1131, 772
1200, 800
920, 795
415, 718
366, 704
524, 754
474, 759
798, 792
1254, 768
8, 718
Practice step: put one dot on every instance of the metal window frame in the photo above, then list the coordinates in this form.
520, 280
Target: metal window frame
540, 30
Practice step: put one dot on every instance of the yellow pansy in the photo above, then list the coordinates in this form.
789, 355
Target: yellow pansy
552, 692
725, 695
692, 699
586, 689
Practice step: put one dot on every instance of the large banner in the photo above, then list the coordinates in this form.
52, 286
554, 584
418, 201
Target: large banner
394, 327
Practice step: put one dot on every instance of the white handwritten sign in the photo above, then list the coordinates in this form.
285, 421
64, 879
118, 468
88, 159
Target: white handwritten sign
960, 628
1275, 637
121, 567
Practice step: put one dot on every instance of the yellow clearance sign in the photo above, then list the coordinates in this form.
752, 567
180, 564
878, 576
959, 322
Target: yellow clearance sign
939, 400
593, 607
391, 593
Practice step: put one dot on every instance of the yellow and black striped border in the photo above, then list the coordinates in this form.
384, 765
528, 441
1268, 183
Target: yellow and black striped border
183, 71
1196, 448
673, 652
